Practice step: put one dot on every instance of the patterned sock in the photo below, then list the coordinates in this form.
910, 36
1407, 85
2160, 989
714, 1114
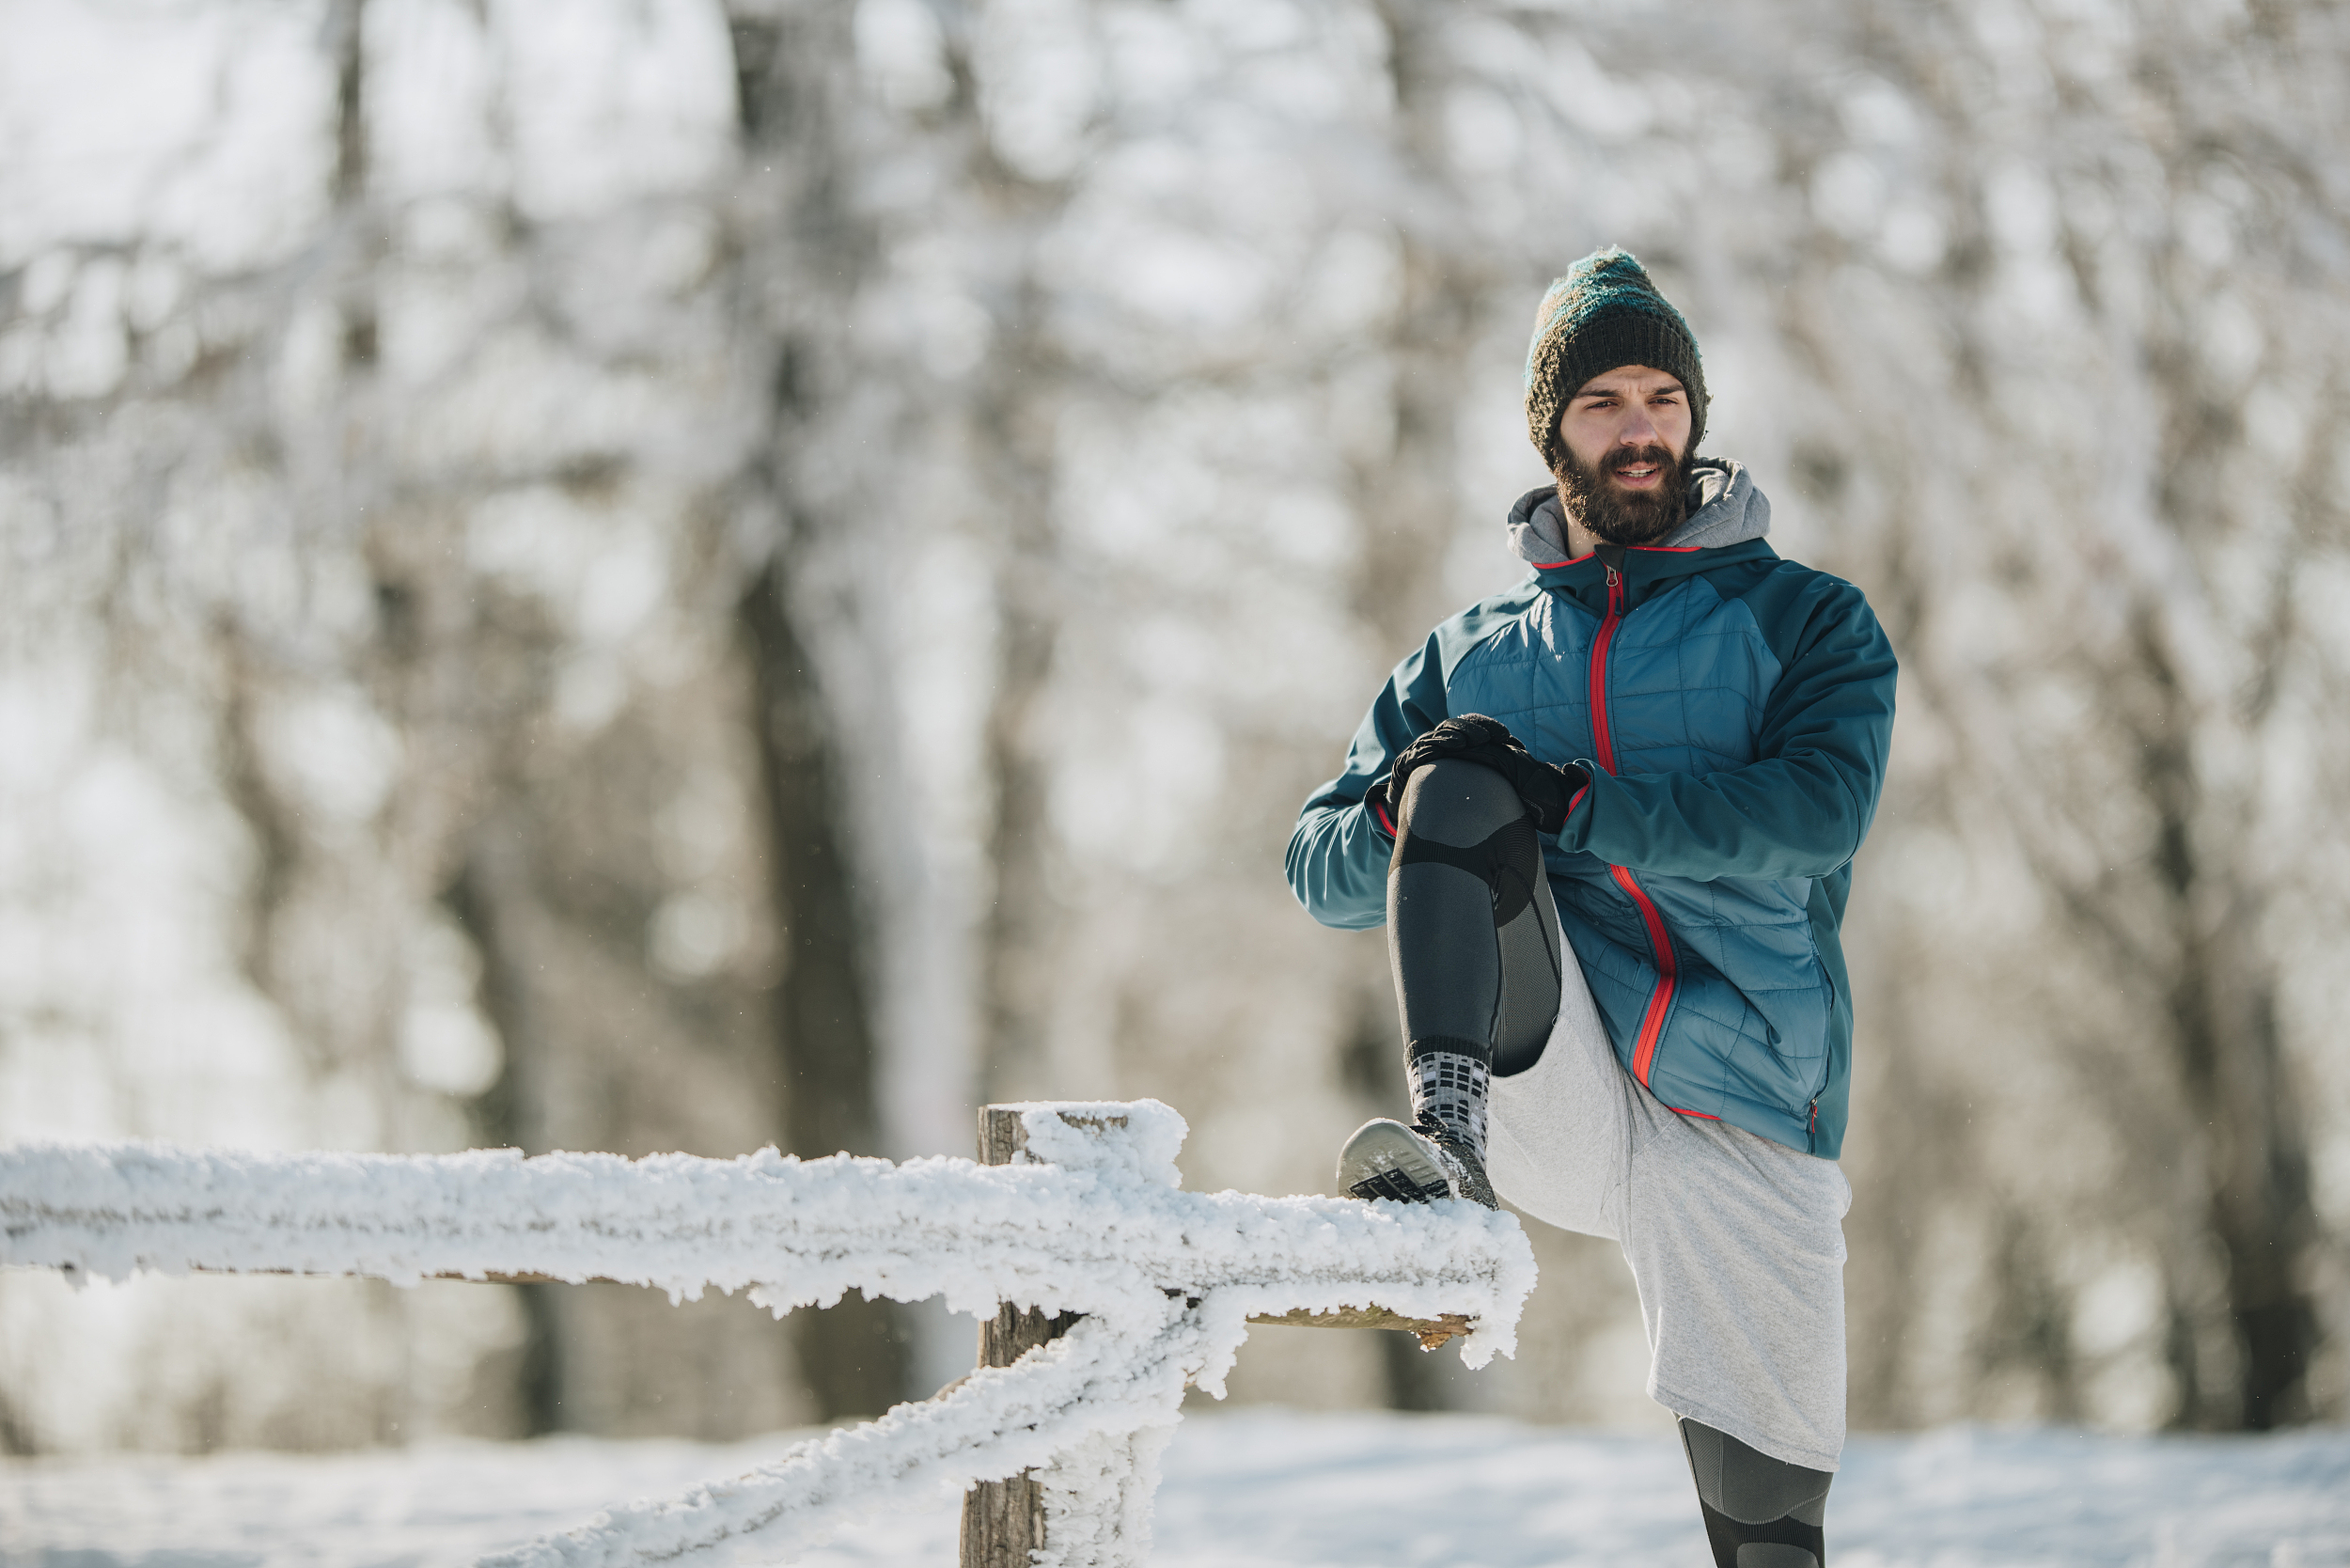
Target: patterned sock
1449, 1083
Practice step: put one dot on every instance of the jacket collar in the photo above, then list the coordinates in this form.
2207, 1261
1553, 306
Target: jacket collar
1644, 569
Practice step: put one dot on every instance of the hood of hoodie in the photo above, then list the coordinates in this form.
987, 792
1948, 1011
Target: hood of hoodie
1724, 508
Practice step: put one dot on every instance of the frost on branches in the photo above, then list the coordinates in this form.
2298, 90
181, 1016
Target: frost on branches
1092, 1221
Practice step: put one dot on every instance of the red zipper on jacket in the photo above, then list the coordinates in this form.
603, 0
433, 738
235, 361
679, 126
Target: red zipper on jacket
1660, 940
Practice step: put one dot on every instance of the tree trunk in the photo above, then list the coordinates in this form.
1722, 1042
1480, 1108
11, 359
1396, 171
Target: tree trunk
2235, 1085
854, 1356
794, 98
487, 901
1408, 497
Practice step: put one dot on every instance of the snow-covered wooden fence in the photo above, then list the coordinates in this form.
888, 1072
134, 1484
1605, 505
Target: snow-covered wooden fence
1087, 1220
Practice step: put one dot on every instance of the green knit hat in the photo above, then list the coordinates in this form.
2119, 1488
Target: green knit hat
1604, 314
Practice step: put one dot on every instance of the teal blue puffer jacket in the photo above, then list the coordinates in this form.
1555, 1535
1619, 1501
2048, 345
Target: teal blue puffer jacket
1736, 711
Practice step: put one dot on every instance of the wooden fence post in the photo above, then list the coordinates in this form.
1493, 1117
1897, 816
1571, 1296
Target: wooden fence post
1003, 1521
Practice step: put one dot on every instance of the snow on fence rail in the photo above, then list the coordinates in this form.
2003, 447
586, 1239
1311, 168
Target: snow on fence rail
1090, 1221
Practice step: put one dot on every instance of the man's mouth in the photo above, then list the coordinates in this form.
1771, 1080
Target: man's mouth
1637, 475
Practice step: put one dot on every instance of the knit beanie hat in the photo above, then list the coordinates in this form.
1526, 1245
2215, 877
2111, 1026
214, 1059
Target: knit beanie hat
1604, 314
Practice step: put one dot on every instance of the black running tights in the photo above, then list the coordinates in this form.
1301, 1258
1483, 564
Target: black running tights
1471, 928
1760, 1511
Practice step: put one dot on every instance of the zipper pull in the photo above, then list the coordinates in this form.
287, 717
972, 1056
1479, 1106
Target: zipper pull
1613, 581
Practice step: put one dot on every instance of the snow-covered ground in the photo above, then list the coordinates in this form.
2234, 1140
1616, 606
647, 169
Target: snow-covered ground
1252, 1489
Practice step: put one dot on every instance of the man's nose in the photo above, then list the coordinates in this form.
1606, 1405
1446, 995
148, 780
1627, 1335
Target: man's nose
1637, 429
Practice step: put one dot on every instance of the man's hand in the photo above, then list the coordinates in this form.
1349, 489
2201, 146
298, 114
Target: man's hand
1546, 791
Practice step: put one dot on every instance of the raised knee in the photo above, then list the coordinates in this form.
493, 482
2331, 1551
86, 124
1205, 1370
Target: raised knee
1459, 802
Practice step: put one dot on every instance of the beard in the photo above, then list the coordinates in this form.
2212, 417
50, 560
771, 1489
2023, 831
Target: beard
1619, 516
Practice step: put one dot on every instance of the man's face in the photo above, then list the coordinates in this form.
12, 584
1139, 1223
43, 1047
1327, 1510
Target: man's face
1626, 435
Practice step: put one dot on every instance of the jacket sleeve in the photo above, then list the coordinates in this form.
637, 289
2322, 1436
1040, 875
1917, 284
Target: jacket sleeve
1338, 856
1803, 807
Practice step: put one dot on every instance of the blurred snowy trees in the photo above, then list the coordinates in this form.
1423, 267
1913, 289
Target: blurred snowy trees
646, 575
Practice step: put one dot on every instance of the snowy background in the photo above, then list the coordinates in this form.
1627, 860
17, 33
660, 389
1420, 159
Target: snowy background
1261, 1489
650, 574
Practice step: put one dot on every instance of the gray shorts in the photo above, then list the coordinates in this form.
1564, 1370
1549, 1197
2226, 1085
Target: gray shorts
1736, 1243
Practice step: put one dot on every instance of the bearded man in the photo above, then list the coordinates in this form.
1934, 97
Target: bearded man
1608, 818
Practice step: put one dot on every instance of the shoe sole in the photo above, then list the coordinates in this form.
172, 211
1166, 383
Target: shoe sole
1386, 1159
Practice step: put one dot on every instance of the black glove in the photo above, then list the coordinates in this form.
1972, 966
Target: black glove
1546, 791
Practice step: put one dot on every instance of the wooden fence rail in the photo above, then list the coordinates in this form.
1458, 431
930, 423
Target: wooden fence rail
1112, 1291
